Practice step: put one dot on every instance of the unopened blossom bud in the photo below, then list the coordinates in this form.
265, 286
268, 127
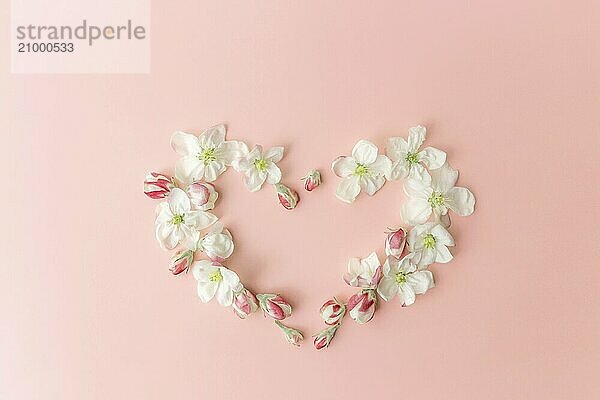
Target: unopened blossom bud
312, 180
293, 336
157, 186
324, 338
332, 311
181, 261
202, 195
244, 303
287, 197
274, 306
394, 243
361, 306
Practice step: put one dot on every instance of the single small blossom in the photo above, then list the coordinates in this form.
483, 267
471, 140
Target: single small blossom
258, 166
215, 280
438, 197
332, 311
274, 305
157, 186
293, 336
364, 170
244, 303
363, 273
206, 156
361, 305
394, 243
402, 278
202, 195
312, 180
408, 161
430, 243
287, 197
181, 261
324, 338
217, 244
177, 223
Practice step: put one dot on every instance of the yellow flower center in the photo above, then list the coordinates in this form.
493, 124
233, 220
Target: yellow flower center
429, 241
260, 164
215, 276
400, 278
361, 170
436, 199
177, 219
207, 155
412, 158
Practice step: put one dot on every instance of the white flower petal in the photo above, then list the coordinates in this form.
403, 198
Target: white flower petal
442, 236
230, 151
343, 166
273, 173
189, 237
185, 144
432, 157
371, 262
407, 264
382, 166
189, 169
254, 179
179, 202
415, 211
200, 219
387, 288
371, 184
232, 279
427, 257
212, 137
364, 152
460, 200
163, 213
444, 178
443, 255
167, 235
400, 169
201, 269
207, 290
420, 281
406, 294
212, 170
397, 149
274, 154
416, 137
348, 189
418, 173
224, 294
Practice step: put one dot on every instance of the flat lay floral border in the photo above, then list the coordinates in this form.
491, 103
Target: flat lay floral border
183, 215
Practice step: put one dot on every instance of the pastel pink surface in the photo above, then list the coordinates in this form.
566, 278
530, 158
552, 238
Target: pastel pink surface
509, 89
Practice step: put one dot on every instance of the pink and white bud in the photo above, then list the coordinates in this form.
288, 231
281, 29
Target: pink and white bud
202, 195
361, 306
324, 338
244, 303
287, 197
157, 186
274, 306
394, 243
293, 336
332, 311
312, 180
181, 261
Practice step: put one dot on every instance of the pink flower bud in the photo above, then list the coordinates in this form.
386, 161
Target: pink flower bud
244, 303
332, 311
202, 195
293, 336
157, 186
324, 338
274, 306
312, 180
181, 261
361, 306
394, 243
287, 197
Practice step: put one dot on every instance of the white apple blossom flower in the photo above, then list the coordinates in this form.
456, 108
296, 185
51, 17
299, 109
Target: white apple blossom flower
217, 244
430, 243
363, 273
438, 197
408, 161
205, 156
364, 170
259, 167
215, 280
177, 223
401, 277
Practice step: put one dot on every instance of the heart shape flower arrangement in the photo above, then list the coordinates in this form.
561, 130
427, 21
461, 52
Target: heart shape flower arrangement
185, 225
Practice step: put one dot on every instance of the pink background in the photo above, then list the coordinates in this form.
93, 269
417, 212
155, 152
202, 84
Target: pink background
509, 89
